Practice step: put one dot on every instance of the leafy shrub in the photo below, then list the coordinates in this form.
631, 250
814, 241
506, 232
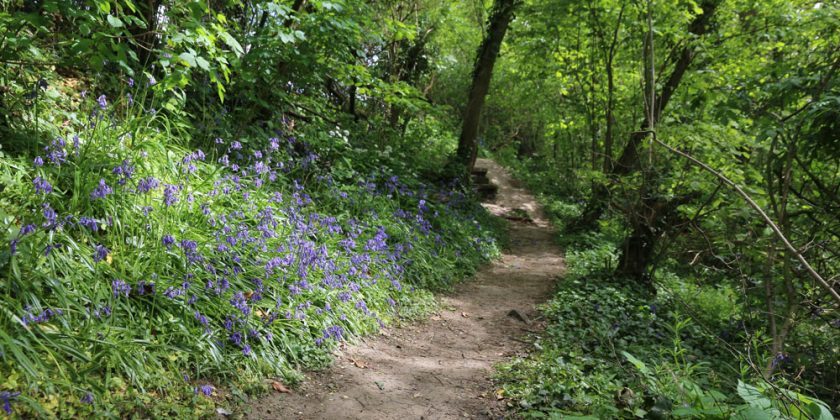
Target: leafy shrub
715, 306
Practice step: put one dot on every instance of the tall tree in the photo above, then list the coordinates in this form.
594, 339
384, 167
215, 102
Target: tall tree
482, 73
654, 214
628, 161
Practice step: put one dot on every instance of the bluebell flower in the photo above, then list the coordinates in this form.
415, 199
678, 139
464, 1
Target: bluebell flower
26, 230
201, 318
49, 215
205, 389
147, 184
334, 332
87, 398
102, 190
145, 288
125, 171
173, 292
167, 241
55, 151
50, 247
39, 161
76, 144
99, 253
7, 398
103, 103
44, 316
119, 287
104, 311
170, 194
781, 359
89, 223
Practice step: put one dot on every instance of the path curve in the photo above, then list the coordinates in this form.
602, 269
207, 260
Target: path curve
440, 368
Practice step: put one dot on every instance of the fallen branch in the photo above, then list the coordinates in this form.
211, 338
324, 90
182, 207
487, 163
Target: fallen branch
813, 273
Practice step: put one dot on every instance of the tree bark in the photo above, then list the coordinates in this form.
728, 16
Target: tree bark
482, 73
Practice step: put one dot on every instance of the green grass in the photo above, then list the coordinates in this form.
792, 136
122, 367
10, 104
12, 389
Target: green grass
239, 263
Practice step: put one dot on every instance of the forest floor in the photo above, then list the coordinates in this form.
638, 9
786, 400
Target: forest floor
441, 367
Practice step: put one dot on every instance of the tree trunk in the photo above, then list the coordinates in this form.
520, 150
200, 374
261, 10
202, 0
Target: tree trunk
610, 119
656, 215
482, 73
629, 161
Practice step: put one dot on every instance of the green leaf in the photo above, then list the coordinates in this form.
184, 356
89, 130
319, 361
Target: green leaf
685, 412
637, 363
755, 413
189, 58
753, 396
286, 38
807, 407
232, 43
202, 63
328, 5
114, 21
104, 6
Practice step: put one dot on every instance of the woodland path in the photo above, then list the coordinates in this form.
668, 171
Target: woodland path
440, 368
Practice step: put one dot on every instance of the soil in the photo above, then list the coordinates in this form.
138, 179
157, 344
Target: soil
441, 367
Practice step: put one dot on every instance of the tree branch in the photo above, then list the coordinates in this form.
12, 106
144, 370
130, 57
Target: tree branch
808, 268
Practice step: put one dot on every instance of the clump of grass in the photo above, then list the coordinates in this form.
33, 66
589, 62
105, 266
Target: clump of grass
140, 275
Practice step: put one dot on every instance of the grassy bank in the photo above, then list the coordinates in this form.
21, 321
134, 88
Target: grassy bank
145, 273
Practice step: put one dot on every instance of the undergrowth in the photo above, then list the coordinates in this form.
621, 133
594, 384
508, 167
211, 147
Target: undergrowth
614, 350
142, 275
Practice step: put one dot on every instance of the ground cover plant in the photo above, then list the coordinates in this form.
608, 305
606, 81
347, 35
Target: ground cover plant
136, 267
198, 195
612, 350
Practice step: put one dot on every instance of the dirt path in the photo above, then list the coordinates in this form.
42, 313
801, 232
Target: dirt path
440, 368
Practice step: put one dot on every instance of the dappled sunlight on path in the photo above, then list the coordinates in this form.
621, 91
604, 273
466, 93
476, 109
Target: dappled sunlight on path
440, 368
